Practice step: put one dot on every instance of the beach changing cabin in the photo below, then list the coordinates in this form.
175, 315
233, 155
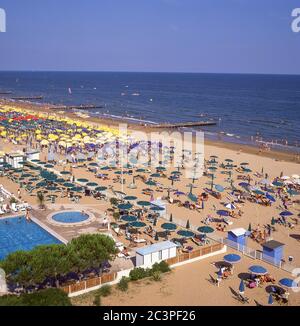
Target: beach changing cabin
33, 155
273, 251
14, 159
237, 237
149, 255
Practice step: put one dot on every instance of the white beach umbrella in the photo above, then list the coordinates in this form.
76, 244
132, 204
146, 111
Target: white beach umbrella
295, 176
285, 177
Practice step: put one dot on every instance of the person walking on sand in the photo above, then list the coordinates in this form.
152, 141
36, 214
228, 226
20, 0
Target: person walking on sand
27, 216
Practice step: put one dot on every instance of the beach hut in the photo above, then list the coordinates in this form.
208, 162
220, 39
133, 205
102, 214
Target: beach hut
273, 251
15, 159
237, 238
149, 255
32, 155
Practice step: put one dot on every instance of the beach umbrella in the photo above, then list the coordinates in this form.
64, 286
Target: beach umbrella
137, 224
277, 184
128, 218
288, 283
151, 183
244, 184
258, 192
230, 206
292, 192
258, 270
160, 168
60, 180
51, 188
105, 168
140, 170
244, 163
247, 170
192, 197
222, 212
285, 177
179, 193
130, 198
100, 189
93, 164
270, 197
92, 184
286, 213
157, 209
205, 229
270, 300
232, 258
186, 233
49, 166
144, 203
41, 184
219, 188
295, 176
77, 189
82, 180
169, 226
242, 287
65, 173
155, 175
229, 160
124, 206
68, 185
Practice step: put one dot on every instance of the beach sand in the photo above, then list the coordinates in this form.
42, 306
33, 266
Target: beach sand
188, 285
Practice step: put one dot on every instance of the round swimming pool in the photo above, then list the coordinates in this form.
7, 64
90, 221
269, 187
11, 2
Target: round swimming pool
70, 217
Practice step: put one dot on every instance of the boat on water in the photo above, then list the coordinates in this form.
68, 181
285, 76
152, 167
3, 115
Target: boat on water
135, 94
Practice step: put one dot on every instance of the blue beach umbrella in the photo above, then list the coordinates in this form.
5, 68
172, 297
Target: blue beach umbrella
258, 270
186, 233
232, 258
244, 184
144, 203
205, 229
129, 218
270, 197
277, 184
124, 206
286, 213
100, 189
219, 188
242, 287
169, 226
130, 198
288, 283
222, 212
137, 224
157, 209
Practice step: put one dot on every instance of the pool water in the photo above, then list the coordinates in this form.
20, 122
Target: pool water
18, 234
70, 217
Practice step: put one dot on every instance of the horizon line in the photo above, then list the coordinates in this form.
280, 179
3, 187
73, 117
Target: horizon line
153, 72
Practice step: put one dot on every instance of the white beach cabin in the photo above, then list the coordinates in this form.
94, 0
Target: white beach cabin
149, 255
14, 159
33, 155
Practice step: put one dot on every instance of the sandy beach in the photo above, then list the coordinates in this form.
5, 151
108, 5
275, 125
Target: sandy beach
187, 285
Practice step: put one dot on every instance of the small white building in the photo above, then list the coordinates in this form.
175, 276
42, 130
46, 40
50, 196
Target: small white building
33, 155
149, 255
14, 159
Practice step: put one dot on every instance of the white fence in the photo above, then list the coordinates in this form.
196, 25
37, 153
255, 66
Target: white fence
245, 250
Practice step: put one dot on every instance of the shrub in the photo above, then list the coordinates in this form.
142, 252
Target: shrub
97, 300
48, 297
104, 291
139, 273
113, 201
162, 267
123, 284
156, 276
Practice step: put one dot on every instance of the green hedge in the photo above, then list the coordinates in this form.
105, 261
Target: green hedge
48, 297
140, 273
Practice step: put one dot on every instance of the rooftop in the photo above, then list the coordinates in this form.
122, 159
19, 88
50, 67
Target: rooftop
155, 248
272, 244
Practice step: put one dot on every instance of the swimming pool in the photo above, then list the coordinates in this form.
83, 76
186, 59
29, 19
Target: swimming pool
70, 217
18, 234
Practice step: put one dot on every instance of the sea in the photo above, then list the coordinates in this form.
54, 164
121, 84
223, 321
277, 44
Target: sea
248, 108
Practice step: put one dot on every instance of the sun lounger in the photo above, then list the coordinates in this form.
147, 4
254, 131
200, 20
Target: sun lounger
139, 240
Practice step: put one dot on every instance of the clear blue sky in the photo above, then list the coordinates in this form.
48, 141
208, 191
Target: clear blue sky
151, 35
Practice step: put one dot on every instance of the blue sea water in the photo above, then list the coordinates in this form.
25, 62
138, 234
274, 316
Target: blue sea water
245, 105
18, 234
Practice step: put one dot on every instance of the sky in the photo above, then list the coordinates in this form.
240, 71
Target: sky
215, 36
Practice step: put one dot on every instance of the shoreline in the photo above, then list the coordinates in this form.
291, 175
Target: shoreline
287, 156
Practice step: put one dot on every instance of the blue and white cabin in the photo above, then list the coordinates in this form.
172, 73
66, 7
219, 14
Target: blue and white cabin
273, 251
149, 255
